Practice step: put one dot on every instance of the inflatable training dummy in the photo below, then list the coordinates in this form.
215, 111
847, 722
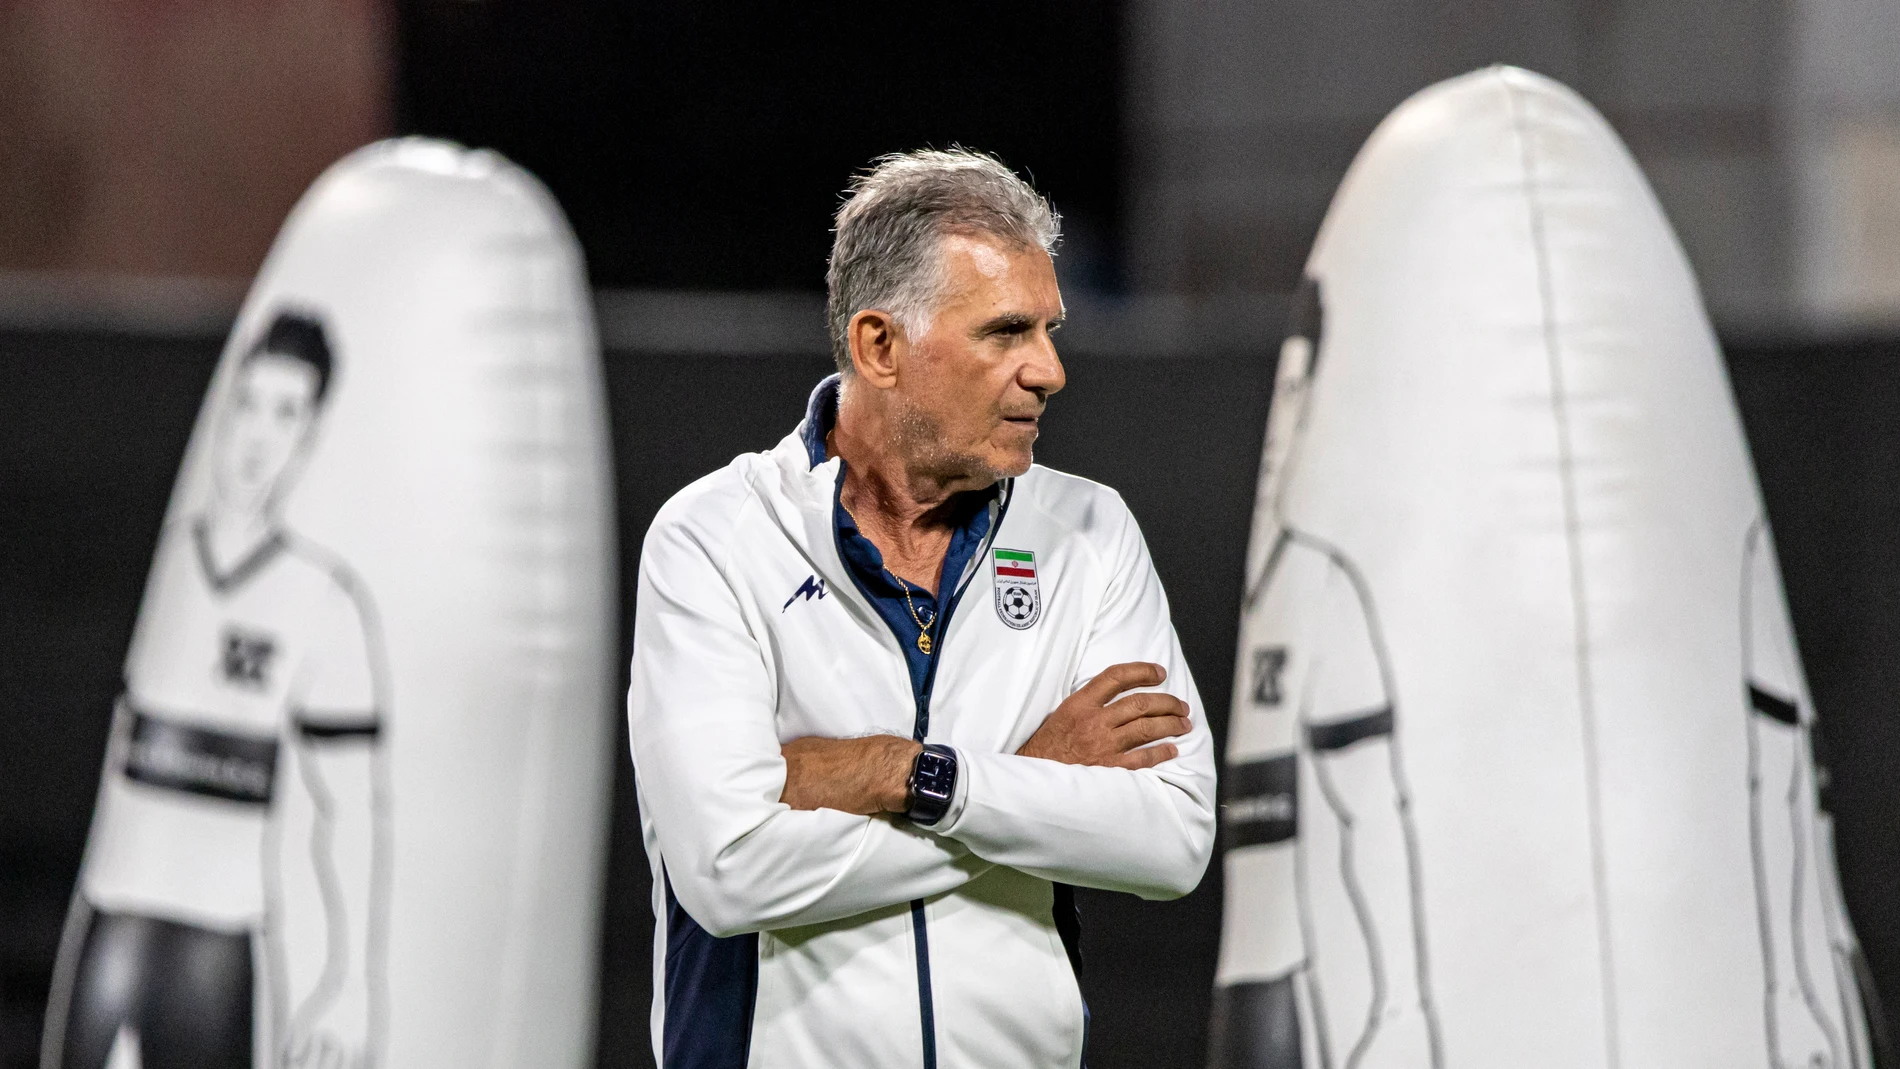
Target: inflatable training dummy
353, 804
1521, 767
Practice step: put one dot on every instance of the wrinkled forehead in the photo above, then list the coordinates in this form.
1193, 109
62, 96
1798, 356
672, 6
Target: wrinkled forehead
993, 255
998, 270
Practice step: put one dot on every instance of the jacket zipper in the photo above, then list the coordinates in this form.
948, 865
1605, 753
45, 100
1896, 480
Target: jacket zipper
920, 728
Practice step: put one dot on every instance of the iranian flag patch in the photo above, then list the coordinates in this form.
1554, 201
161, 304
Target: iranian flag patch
1018, 597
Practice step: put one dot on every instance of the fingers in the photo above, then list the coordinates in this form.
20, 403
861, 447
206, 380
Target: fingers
1136, 706
1117, 678
1147, 757
1149, 729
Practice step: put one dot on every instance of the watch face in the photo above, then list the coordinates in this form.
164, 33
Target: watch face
933, 781
936, 775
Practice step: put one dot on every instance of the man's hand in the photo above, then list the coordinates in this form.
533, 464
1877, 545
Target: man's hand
1091, 728
865, 776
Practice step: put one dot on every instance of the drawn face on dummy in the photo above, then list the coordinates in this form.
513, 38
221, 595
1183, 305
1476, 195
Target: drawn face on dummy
1292, 383
262, 431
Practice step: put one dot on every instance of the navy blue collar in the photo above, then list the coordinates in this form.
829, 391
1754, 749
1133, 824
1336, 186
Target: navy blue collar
821, 414
903, 607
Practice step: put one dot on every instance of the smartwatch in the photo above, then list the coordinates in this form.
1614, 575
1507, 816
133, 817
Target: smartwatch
933, 783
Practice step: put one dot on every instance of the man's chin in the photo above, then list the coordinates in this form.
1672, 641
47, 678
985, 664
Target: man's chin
975, 470
1012, 465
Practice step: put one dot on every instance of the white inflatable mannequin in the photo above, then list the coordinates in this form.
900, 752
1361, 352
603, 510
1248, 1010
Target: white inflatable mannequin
1521, 765
353, 811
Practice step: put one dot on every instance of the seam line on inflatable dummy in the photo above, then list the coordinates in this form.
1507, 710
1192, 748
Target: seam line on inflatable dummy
1573, 546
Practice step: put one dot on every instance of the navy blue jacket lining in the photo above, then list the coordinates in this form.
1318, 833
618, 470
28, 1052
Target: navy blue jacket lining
712, 986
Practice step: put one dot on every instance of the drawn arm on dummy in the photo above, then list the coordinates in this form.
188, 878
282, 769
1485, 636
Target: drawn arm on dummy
1812, 1013
340, 752
1375, 1012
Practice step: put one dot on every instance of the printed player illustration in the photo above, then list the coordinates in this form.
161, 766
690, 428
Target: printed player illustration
255, 670
1314, 718
354, 808
1522, 767
1812, 966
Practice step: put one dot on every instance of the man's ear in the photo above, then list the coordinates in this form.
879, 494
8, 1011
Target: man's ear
874, 337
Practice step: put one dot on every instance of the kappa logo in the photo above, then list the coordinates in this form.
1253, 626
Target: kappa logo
1018, 594
1268, 664
814, 587
245, 658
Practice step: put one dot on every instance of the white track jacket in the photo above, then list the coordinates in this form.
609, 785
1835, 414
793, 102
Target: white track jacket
822, 939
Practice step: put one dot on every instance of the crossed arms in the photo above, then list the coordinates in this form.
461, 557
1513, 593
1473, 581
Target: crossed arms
759, 836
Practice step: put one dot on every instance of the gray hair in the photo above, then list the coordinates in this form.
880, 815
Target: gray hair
885, 250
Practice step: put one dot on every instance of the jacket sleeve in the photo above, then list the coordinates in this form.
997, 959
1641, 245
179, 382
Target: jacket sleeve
700, 714
1149, 832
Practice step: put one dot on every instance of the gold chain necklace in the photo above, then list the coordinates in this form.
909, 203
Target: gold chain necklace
923, 629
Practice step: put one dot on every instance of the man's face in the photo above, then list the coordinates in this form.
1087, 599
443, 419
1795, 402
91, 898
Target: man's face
269, 413
972, 388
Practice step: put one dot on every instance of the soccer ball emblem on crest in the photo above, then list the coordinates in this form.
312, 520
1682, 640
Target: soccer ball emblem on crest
1018, 594
1019, 605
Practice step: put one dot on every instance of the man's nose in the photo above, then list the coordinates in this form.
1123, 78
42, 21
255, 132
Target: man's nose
1042, 373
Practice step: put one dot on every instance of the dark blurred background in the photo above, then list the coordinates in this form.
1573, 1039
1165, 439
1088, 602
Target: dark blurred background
150, 148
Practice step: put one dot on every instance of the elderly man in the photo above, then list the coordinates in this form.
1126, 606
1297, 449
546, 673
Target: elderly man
896, 691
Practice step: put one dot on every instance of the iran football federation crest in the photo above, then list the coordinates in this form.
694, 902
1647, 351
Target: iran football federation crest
1018, 598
